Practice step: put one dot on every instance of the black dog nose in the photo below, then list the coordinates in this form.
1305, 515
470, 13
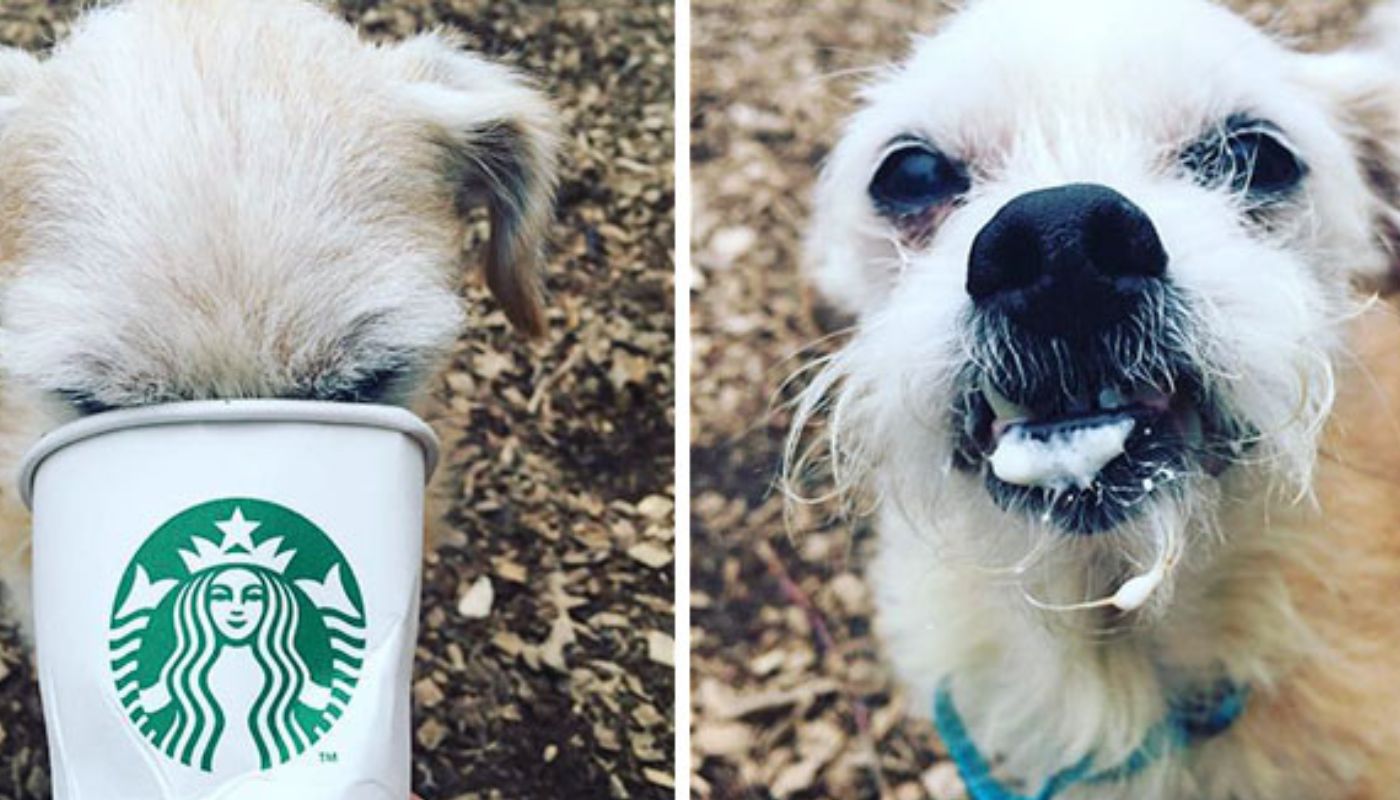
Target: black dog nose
1069, 260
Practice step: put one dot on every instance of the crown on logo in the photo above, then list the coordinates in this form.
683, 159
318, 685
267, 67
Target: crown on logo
237, 548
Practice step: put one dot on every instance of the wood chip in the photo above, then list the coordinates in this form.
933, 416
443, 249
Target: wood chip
427, 693
509, 643
660, 778
510, 570
661, 648
656, 507
561, 635
431, 733
651, 554
725, 739
476, 601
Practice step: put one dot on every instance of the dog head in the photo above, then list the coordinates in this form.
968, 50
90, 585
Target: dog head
1100, 254
241, 199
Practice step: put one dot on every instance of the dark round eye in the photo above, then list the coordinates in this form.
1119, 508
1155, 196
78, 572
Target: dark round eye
1250, 157
915, 177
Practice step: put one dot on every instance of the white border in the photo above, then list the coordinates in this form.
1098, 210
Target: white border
682, 373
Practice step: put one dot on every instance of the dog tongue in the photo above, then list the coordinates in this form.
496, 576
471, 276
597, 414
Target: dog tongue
1061, 458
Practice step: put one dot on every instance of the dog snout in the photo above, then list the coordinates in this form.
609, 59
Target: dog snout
1067, 260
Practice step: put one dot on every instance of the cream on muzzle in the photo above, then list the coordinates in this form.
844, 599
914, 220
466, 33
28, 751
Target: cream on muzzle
226, 599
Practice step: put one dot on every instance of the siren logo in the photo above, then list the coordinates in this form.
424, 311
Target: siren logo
237, 636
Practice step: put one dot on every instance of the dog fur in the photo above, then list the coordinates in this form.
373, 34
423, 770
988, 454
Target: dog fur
1291, 556
240, 198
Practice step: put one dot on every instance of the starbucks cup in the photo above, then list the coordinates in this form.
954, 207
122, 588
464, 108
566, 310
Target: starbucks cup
226, 599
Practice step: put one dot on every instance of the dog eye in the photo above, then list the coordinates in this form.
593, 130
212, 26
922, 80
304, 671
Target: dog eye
1250, 156
82, 401
914, 177
388, 382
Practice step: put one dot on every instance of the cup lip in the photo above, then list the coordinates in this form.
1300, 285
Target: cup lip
365, 415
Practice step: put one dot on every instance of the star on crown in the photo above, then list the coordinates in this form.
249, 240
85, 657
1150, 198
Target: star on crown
237, 548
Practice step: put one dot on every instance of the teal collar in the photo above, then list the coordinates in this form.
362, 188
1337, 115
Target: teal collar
1197, 717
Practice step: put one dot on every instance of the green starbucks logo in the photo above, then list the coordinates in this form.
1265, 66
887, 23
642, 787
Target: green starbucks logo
237, 635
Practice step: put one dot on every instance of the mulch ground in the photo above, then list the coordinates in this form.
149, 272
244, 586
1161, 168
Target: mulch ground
545, 664
791, 696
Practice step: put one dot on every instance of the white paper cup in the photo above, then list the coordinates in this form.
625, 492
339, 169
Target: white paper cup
226, 599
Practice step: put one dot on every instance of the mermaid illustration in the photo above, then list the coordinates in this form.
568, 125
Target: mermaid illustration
234, 665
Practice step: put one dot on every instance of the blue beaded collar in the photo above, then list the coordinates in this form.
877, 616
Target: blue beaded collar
1190, 719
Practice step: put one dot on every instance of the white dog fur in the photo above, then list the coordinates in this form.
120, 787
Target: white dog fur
1286, 570
240, 198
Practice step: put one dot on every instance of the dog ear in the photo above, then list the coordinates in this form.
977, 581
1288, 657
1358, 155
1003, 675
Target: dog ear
1361, 85
501, 140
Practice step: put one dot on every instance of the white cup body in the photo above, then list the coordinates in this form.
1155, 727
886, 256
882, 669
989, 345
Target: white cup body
226, 603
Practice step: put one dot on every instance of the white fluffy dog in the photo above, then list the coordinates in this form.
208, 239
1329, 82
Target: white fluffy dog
1117, 401
239, 198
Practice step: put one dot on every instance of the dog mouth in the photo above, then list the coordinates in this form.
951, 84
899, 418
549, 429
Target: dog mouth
1087, 459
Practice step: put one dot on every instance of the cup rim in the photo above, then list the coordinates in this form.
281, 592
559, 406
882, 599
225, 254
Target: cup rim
365, 415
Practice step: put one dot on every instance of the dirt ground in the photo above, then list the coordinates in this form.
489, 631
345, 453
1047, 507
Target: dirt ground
545, 664
791, 697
